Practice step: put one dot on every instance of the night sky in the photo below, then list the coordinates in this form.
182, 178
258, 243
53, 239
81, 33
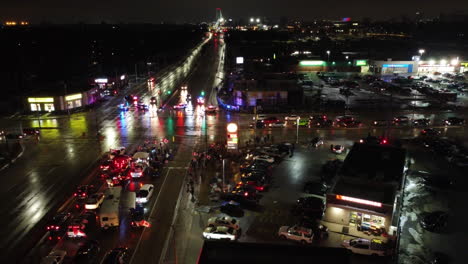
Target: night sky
92, 11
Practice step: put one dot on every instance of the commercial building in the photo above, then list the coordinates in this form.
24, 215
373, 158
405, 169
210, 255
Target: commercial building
391, 67
365, 197
53, 101
269, 90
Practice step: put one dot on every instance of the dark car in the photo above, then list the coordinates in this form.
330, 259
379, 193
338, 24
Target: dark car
83, 191
320, 231
421, 122
87, 253
270, 120
309, 206
349, 123
429, 132
434, 221
454, 121
14, 136
58, 224
380, 123
400, 120
31, 131
314, 187
232, 208
116, 256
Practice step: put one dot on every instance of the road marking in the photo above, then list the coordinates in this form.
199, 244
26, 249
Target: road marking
150, 213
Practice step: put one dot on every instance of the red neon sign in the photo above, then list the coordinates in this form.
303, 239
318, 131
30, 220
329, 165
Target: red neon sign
357, 200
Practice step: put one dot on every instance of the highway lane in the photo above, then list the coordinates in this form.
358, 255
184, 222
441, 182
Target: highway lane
190, 124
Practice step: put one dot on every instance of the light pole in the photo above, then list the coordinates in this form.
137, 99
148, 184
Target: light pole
421, 52
223, 173
297, 130
328, 53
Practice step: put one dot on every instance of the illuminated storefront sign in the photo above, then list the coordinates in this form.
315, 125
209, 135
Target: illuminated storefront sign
312, 63
464, 64
41, 100
232, 138
395, 65
101, 80
122, 77
239, 60
357, 200
73, 97
361, 62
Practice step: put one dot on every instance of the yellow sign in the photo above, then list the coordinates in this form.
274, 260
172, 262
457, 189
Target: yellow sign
41, 100
73, 97
464, 64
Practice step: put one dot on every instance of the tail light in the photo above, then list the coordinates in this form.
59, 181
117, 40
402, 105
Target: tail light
246, 194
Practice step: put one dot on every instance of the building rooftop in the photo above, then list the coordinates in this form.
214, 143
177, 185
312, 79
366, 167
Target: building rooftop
215, 252
371, 172
381, 163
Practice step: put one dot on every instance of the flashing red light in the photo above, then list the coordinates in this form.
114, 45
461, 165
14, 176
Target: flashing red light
246, 194
75, 194
57, 228
261, 188
50, 238
135, 98
77, 206
384, 141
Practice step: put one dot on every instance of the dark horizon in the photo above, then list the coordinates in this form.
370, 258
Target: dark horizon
145, 11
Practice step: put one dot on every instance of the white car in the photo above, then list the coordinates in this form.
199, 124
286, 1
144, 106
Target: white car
292, 118
77, 227
145, 193
94, 201
220, 232
264, 158
224, 221
54, 257
364, 246
338, 149
277, 124
260, 117
296, 233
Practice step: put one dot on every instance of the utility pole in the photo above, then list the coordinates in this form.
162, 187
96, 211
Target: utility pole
255, 124
136, 73
65, 96
223, 174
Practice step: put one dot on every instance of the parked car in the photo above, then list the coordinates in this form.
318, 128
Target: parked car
278, 124
454, 121
296, 233
31, 131
264, 158
309, 206
400, 120
380, 123
430, 132
270, 120
220, 233
374, 247
232, 208
292, 118
224, 221
338, 149
317, 188
421, 122
434, 221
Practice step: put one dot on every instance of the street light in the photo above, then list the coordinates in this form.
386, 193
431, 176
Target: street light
328, 53
347, 57
258, 20
251, 20
421, 52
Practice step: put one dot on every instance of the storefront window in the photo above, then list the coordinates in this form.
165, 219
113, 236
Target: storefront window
49, 107
77, 103
35, 107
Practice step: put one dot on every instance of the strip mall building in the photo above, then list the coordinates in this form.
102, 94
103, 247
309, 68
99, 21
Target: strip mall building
366, 195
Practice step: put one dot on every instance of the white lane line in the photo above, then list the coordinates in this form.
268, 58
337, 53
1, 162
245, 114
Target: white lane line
150, 213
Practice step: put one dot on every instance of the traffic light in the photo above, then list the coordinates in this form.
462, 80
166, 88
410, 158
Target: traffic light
203, 93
